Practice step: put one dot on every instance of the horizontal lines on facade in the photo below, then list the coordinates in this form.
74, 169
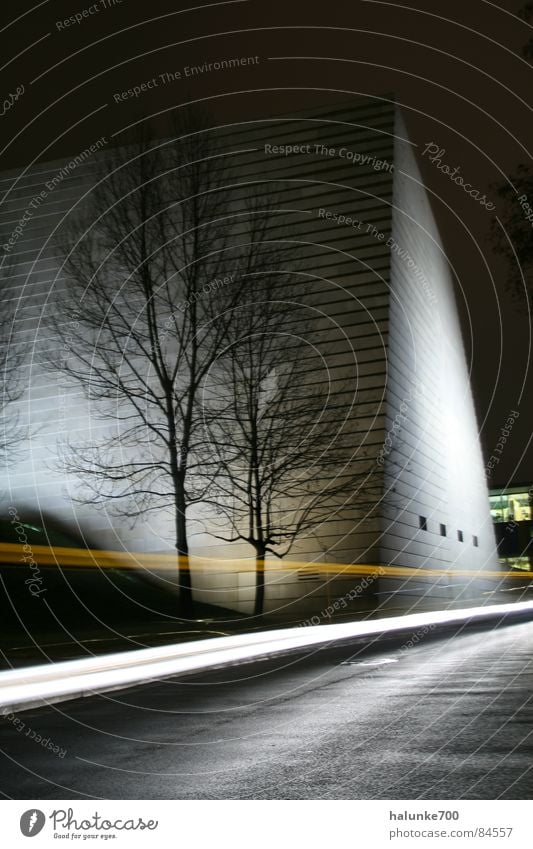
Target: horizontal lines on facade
409, 556
32, 257
410, 362
418, 339
404, 389
65, 196
414, 486
312, 196
360, 246
28, 274
413, 445
412, 456
40, 171
317, 258
432, 538
406, 309
414, 441
356, 122
405, 527
417, 293
12, 209
316, 173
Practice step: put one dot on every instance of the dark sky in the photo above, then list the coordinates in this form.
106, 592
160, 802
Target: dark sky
456, 67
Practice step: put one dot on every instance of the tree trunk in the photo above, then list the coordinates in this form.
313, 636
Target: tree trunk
259, 580
180, 503
182, 548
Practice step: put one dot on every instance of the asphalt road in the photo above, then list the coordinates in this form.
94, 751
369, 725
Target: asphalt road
445, 719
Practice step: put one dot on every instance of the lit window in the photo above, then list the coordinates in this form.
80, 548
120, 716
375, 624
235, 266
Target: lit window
423, 523
511, 506
520, 507
460, 536
475, 541
442, 530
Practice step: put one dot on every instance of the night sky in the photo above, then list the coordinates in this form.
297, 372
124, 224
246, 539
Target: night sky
455, 67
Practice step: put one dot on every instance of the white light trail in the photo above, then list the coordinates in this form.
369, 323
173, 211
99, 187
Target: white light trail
39, 685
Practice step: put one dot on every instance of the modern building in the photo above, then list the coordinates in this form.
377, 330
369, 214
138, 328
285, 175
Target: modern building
375, 266
511, 509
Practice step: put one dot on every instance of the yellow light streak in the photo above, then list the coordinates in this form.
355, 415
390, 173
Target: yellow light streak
43, 555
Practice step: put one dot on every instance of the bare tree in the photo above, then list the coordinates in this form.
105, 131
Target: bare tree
515, 242
153, 282
289, 459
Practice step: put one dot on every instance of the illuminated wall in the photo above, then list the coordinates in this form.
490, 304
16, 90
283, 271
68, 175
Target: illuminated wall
437, 507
